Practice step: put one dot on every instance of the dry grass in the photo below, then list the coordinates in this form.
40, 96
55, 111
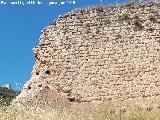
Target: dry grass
77, 112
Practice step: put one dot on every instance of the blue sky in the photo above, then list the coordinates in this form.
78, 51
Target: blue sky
20, 28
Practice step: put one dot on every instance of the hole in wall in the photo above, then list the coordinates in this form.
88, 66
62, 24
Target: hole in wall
29, 87
40, 85
71, 99
37, 73
48, 72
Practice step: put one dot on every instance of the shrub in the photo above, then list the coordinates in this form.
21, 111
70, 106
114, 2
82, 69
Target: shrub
7, 95
126, 16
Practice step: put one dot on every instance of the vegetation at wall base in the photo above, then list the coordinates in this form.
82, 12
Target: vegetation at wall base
78, 112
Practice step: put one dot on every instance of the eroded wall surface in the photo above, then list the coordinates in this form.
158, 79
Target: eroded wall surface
99, 54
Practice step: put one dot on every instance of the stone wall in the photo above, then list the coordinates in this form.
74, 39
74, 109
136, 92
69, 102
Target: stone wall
108, 54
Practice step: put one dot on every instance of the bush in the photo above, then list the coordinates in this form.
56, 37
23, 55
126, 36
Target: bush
7, 95
126, 16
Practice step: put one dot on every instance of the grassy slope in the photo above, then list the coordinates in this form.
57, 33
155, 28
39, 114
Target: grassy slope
85, 112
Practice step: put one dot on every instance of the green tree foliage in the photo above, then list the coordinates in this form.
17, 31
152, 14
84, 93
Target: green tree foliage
7, 95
